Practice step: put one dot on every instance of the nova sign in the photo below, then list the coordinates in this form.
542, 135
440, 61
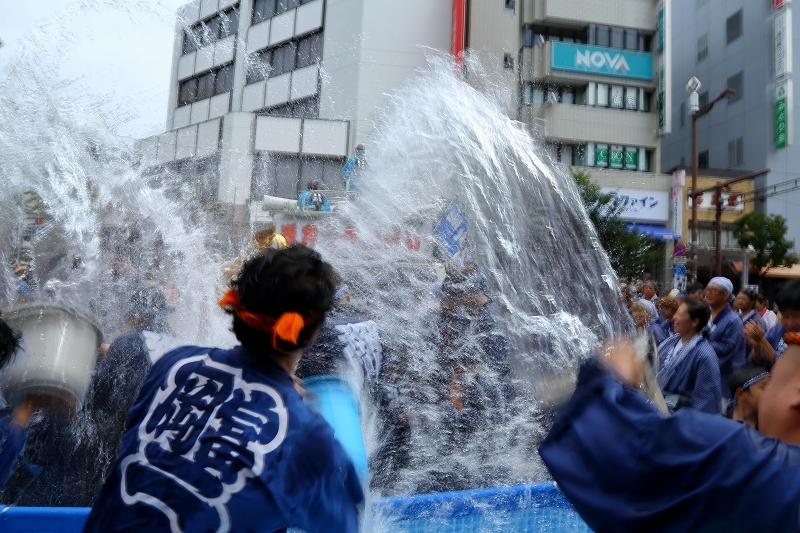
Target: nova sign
600, 60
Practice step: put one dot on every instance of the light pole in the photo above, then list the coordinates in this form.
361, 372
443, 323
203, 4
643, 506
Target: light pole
696, 111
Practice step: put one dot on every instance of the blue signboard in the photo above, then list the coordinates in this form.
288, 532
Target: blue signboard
679, 271
452, 229
575, 57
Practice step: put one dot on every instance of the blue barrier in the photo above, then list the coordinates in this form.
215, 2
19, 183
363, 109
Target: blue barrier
540, 508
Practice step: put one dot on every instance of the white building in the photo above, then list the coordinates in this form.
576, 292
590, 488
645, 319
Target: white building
266, 95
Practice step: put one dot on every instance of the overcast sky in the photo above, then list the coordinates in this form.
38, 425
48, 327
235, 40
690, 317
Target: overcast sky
109, 55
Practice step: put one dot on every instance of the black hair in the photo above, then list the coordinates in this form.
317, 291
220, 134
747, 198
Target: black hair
751, 292
279, 281
742, 375
698, 309
9, 343
694, 287
760, 298
789, 296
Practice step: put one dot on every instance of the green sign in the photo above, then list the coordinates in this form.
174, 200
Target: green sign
781, 118
616, 156
662, 111
631, 159
601, 156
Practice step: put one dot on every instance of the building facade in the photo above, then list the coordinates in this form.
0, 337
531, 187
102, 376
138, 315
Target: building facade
745, 45
587, 86
266, 95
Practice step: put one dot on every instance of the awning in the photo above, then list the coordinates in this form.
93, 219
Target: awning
661, 233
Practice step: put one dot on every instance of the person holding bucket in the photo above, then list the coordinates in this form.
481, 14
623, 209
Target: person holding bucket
12, 421
220, 440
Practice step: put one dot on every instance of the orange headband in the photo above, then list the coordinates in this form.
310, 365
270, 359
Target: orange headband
792, 338
287, 327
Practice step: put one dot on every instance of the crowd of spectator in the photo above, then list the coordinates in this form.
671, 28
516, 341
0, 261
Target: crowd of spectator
705, 333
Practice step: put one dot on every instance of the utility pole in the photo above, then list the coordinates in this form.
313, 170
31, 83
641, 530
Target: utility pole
694, 108
718, 188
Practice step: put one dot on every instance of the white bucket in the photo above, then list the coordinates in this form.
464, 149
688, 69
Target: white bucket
56, 357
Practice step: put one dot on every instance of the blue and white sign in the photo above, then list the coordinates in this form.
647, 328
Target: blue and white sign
452, 229
641, 205
601, 60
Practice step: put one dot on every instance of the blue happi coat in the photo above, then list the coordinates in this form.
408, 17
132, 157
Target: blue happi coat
693, 371
12, 440
660, 328
220, 440
774, 336
727, 339
625, 467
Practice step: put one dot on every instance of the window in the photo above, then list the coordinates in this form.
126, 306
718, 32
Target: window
736, 82
617, 37
285, 175
631, 40
229, 23
509, 4
603, 36
306, 108
263, 10
508, 61
309, 50
735, 152
187, 93
206, 85
733, 27
604, 155
259, 66
535, 35
192, 40
702, 99
702, 159
285, 58
616, 96
211, 30
702, 48
224, 81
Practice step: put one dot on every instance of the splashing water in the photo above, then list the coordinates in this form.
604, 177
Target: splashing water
530, 248
462, 396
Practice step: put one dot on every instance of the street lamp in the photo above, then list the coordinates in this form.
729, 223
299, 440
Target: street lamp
696, 111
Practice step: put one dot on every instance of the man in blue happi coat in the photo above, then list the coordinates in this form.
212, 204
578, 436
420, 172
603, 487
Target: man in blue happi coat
626, 467
768, 346
725, 328
220, 440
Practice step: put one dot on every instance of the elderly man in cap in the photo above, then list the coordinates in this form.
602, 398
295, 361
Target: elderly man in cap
725, 328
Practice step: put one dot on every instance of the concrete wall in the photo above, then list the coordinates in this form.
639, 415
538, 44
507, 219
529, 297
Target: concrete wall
372, 47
